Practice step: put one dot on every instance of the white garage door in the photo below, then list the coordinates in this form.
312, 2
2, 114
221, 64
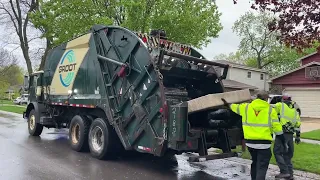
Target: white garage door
307, 99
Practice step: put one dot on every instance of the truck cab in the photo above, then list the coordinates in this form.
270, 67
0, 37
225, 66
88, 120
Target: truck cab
33, 85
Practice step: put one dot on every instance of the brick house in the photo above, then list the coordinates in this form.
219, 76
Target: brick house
303, 83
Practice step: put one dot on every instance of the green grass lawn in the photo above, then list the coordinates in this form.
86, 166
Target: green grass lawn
314, 135
6, 101
14, 109
306, 157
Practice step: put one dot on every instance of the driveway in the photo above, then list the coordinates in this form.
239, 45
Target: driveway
309, 124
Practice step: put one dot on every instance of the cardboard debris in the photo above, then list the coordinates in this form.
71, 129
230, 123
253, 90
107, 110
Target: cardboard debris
214, 100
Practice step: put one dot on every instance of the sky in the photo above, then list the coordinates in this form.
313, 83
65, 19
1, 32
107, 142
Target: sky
226, 42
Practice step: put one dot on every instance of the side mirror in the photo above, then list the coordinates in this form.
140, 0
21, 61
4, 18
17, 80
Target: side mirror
26, 83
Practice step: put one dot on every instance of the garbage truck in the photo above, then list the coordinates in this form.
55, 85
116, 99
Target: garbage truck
117, 90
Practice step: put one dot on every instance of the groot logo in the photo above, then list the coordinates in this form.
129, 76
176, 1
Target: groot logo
67, 67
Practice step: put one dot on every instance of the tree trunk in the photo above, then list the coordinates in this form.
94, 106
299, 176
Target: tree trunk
16, 13
25, 52
259, 61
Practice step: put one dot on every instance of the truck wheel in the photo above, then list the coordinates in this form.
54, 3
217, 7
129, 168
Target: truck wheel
78, 133
102, 140
35, 129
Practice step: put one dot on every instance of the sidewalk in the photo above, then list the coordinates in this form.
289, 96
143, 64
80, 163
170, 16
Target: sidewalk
310, 141
309, 124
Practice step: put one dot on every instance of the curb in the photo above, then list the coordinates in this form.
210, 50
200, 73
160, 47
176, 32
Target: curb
310, 141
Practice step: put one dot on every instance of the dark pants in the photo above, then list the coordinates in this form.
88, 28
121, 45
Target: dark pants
260, 163
284, 159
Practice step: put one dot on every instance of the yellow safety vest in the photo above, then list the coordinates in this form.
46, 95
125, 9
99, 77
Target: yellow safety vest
259, 120
289, 117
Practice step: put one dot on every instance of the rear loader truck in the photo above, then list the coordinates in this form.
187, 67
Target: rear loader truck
115, 90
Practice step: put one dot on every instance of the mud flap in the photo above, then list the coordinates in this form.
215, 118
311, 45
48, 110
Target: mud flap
24, 115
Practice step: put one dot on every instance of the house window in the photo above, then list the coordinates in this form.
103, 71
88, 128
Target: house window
249, 74
261, 77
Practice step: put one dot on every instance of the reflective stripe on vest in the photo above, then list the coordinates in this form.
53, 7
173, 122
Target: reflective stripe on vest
260, 125
293, 120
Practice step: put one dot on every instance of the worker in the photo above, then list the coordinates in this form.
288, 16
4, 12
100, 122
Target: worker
259, 122
290, 121
293, 103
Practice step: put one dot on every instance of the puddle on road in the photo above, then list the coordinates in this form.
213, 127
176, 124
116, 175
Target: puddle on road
215, 169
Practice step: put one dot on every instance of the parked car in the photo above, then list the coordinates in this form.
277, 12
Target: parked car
23, 99
274, 99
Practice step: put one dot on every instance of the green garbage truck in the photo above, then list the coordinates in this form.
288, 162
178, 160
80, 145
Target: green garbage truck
118, 90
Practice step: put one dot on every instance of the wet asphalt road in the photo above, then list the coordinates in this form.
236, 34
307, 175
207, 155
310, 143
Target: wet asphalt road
50, 157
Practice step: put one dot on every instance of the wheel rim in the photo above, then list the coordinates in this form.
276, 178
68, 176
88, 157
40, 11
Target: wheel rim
32, 122
97, 138
75, 133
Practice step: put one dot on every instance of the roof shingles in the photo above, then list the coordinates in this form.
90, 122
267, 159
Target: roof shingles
235, 84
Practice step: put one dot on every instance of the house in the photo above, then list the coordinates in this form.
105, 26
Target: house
14, 91
303, 84
244, 77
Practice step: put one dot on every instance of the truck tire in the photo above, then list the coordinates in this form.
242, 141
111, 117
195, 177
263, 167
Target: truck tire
35, 129
78, 133
102, 140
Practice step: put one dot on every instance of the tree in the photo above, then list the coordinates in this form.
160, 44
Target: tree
283, 58
16, 13
298, 21
7, 62
256, 39
14, 75
3, 88
61, 20
186, 21
10, 72
7, 65
237, 57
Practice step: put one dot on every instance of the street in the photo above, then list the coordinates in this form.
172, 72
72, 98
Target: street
50, 157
